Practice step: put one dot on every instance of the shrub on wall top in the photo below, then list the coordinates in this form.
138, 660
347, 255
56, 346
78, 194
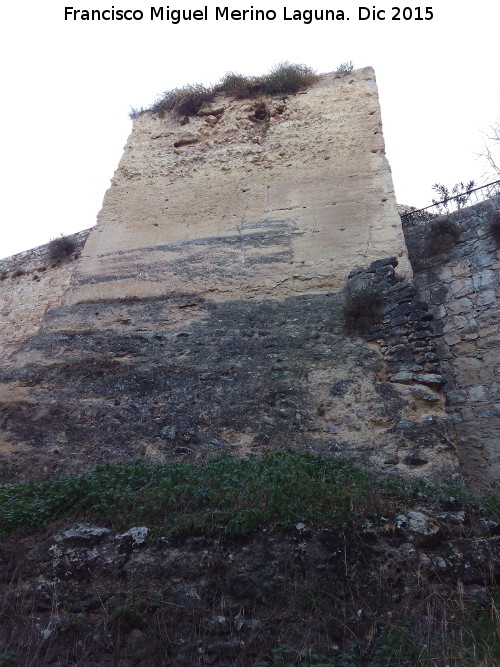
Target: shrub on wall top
288, 78
61, 248
284, 78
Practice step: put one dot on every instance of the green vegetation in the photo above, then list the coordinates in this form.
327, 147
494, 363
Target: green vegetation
362, 309
284, 78
9, 659
455, 635
223, 495
460, 194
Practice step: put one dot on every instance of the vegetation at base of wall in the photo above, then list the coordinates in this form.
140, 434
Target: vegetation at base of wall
362, 309
222, 495
9, 659
494, 226
284, 78
440, 630
61, 248
442, 236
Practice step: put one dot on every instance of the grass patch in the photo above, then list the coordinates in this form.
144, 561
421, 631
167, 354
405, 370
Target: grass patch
443, 632
223, 495
362, 309
442, 236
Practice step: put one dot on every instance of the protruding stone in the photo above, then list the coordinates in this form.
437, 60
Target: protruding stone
429, 378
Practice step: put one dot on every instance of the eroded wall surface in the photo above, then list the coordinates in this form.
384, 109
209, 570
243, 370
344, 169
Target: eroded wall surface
205, 314
30, 285
462, 288
250, 199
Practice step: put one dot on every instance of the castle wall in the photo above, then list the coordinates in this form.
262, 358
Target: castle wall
251, 199
462, 289
30, 285
205, 314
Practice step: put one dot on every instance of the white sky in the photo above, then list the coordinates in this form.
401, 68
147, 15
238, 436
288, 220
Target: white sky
68, 86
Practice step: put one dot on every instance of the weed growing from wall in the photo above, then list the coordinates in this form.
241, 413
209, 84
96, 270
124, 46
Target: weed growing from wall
362, 309
344, 68
442, 236
61, 248
235, 85
494, 226
288, 78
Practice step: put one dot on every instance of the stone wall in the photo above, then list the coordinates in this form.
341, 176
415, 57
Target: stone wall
31, 284
205, 314
183, 378
462, 290
252, 199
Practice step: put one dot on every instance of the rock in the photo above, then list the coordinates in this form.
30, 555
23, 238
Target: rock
429, 378
81, 534
422, 528
136, 536
404, 377
415, 459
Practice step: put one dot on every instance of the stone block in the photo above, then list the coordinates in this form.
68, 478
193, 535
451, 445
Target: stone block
486, 298
438, 294
438, 311
452, 338
467, 378
461, 268
463, 305
456, 396
477, 393
429, 378
482, 259
455, 322
484, 280
444, 273
403, 377
464, 349
461, 287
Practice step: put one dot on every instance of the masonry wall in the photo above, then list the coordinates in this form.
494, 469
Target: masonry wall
249, 199
30, 285
205, 314
462, 289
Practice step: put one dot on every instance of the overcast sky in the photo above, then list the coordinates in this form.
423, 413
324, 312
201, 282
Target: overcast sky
68, 86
